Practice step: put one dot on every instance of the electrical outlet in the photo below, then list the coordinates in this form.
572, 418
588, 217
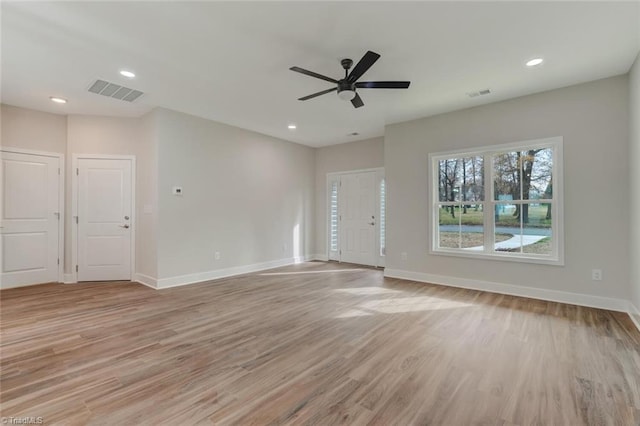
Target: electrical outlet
217, 255
284, 247
403, 255
596, 274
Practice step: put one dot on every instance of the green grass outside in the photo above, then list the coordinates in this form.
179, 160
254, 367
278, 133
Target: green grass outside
537, 217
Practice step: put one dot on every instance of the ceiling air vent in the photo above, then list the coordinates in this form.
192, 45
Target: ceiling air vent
112, 90
478, 93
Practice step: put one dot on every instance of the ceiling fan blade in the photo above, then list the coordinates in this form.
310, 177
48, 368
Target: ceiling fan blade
313, 74
317, 94
383, 84
357, 101
365, 63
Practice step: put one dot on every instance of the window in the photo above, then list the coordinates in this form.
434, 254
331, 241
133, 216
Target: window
333, 216
382, 221
501, 202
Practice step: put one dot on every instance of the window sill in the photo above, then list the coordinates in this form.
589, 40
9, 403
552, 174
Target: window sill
546, 260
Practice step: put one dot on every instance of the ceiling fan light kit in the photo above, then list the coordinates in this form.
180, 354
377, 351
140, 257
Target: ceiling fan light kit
346, 87
346, 94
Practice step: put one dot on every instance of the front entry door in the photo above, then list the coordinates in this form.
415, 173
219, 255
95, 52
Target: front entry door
104, 219
358, 218
30, 219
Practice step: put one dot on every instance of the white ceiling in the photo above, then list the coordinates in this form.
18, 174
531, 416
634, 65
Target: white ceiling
229, 61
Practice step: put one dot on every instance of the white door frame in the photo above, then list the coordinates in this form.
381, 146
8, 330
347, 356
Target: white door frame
75, 158
380, 260
61, 191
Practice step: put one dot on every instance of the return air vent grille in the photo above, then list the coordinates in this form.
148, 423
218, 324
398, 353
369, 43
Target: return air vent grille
112, 90
478, 93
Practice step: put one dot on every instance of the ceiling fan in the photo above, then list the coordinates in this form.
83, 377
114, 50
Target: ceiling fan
347, 86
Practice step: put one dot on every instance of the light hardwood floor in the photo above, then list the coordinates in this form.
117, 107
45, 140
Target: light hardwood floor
316, 343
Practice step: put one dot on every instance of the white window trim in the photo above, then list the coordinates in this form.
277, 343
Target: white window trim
557, 225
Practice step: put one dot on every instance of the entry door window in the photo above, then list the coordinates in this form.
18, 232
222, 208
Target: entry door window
333, 218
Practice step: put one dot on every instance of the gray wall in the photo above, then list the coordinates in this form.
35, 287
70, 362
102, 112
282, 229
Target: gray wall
147, 197
592, 118
35, 130
246, 195
365, 154
634, 190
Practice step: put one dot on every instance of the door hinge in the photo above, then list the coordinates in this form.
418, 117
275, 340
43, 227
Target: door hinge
58, 261
76, 219
77, 171
58, 170
340, 251
76, 268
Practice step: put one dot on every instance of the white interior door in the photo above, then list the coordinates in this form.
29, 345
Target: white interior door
104, 219
30, 219
358, 218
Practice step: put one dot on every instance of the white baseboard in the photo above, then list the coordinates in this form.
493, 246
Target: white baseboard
634, 313
227, 272
618, 305
69, 279
321, 257
7, 287
146, 280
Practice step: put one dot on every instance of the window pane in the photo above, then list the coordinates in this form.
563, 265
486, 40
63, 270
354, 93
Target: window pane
333, 209
472, 227
461, 179
472, 181
536, 232
449, 227
449, 176
383, 239
507, 215
541, 173
506, 176
507, 229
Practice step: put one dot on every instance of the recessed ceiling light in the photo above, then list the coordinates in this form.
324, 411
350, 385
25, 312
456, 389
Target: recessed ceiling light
127, 74
58, 100
534, 62
291, 126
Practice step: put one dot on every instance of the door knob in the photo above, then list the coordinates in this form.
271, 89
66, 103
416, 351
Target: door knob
372, 223
124, 226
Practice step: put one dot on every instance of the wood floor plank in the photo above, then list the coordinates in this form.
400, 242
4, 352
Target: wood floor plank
312, 344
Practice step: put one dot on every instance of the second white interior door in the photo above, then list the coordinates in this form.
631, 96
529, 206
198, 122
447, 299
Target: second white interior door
30, 219
358, 218
104, 219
